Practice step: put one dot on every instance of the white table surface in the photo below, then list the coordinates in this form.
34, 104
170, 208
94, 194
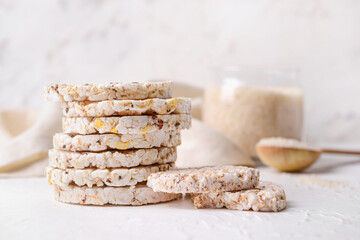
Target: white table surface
323, 203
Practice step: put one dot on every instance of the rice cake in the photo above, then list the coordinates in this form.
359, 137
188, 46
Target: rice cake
266, 197
127, 107
126, 124
112, 91
204, 180
102, 142
111, 159
117, 177
134, 195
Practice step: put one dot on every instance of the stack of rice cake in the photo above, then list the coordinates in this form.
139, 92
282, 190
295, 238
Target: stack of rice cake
114, 136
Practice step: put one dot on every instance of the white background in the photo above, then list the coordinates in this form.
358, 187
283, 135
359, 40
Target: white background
44, 41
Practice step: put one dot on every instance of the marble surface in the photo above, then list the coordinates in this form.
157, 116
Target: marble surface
100, 41
322, 203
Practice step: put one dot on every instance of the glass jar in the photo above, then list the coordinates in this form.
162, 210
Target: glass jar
251, 104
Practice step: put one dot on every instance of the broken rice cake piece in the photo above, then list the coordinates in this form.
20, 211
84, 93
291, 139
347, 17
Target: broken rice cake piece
266, 197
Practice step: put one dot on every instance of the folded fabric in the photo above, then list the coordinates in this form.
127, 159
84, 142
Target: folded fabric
26, 136
195, 93
204, 146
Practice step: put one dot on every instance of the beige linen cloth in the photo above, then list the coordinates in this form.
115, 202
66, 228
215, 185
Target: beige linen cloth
26, 137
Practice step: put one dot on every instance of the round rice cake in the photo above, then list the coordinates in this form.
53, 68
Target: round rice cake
117, 177
102, 142
126, 124
134, 195
112, 91
266, 197
127, 107
204, 180
111, 159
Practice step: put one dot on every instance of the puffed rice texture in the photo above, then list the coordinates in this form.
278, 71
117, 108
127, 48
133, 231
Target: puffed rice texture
127, 107
204, 180
134, 195
127, 124
111, 159
102, 142
112, 91
117, 177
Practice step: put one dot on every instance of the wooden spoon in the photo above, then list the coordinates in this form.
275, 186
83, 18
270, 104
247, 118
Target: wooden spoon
289, 155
